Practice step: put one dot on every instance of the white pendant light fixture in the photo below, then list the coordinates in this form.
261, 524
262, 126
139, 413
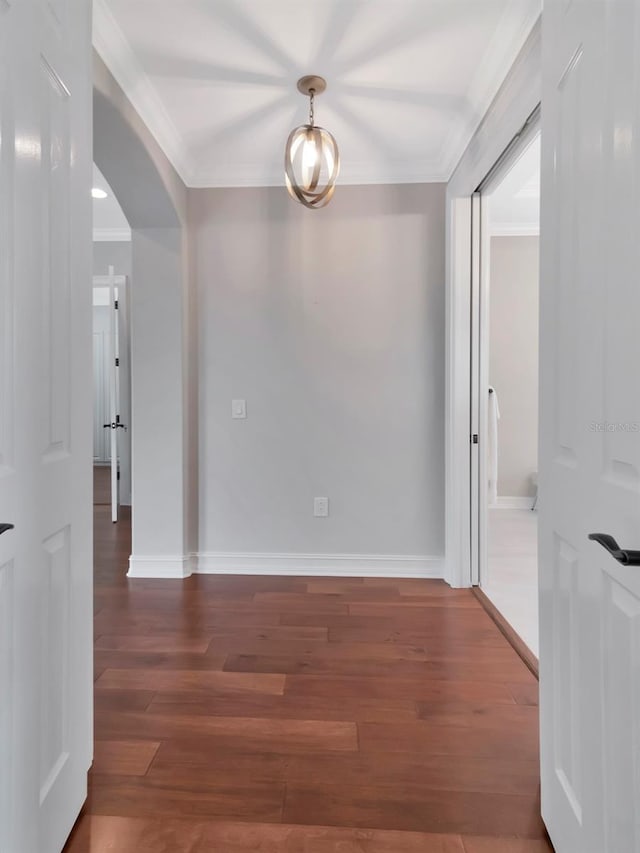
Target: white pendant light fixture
311, 158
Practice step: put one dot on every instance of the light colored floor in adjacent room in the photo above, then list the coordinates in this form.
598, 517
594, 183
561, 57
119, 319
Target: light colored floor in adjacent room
512, 584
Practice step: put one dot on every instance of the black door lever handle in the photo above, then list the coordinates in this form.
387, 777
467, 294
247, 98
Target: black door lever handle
627, 558
5, 527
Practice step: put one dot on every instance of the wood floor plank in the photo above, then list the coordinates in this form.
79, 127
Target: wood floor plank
398, 688
235, 732
353, 589
417, 606
517, 742
122, 700
142, 661
448, 772
354, 708
143, 679
300, 602
437, 622
489, 844
153, 796
525, 694
291, 634
414, 808
485, 716
124, 757
103, 834
419, 670
378, 652
174, 642
111, 620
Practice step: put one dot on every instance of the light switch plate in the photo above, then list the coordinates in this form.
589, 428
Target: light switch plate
238, 408
321, 507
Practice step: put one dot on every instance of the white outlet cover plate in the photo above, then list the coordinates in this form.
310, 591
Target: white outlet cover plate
321, 507
239, 408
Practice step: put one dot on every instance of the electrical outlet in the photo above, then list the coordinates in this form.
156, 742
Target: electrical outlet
238, 408
321, 507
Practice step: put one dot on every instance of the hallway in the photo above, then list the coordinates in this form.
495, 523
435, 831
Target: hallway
273, 713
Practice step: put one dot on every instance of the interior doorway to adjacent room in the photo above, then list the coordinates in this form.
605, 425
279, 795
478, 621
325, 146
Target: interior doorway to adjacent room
111, 350
505, 293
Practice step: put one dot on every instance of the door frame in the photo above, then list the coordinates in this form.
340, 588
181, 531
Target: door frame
517, 99
480, 331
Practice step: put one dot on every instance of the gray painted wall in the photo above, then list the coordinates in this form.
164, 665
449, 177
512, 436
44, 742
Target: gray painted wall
513, 361
117, 253
331, 324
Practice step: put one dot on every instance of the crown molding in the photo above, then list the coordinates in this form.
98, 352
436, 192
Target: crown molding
504, 48
117, 54
107, 235
351, 174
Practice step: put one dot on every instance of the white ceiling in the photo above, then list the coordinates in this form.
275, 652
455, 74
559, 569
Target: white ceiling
109, 222
514, 205
408, 80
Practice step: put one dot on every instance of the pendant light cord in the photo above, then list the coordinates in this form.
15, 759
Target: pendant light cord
312, 93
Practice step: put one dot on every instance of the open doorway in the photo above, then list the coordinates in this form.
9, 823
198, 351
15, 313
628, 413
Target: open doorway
111, 351
505, 385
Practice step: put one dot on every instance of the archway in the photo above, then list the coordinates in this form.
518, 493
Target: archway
154, 200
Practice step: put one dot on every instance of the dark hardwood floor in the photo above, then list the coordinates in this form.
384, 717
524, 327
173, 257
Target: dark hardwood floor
304, 715
101, 484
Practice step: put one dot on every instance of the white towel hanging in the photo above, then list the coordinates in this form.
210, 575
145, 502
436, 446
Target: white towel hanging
492, 461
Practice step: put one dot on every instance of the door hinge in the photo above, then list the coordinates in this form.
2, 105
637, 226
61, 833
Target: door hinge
115, 304
118, 475
474, 438
117, 362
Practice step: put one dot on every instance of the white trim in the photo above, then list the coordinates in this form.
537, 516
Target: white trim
115, 51
351, 174
514, 103
329, 565
517, 99
514, 229
513, 502
107, 235
503, 51
179, 566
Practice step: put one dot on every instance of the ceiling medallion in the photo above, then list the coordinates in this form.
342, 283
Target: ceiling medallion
311, 158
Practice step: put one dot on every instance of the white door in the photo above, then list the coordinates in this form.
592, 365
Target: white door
100, 389
590, 425
114, 394
45, 420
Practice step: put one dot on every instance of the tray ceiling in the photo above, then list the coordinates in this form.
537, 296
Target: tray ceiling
408, 80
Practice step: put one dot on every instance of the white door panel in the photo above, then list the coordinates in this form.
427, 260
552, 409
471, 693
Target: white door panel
45, 420
590, 426
100, 413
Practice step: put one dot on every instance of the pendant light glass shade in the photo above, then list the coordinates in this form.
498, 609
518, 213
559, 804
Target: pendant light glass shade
311, 158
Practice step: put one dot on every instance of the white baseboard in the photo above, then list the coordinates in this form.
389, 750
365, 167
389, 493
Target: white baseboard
160, 567
327, 565
513, 502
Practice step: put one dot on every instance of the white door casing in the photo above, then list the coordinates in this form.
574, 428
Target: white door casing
590, 425
45, 420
